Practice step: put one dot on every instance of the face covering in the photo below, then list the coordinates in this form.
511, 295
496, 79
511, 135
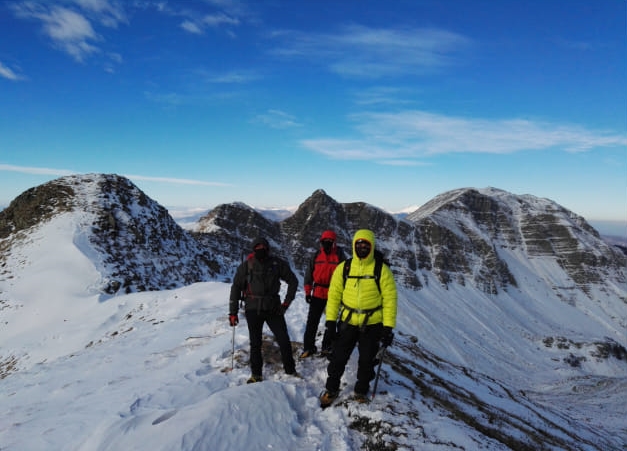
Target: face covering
362, 249
261, 254
327, 246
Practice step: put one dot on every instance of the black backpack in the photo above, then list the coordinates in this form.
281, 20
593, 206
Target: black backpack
379, 260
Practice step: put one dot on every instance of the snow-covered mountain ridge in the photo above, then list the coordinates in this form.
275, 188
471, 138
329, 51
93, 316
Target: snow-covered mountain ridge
511, 331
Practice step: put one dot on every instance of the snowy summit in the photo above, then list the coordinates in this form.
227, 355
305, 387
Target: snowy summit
114, 332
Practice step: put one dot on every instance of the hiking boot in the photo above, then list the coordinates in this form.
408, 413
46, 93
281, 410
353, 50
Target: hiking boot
254, 378
306, 354
293, 373
361, 398
327, 398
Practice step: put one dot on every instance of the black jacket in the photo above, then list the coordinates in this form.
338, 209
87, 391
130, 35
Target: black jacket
258, 283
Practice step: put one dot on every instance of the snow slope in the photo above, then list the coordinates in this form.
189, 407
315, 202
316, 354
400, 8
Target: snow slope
151, 370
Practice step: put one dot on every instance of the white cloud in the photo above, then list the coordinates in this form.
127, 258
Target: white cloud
277, 119
233, 77
9, 73
71, 27
197, 26
69, 30
191, 27
64, 172
35, 170
108, 13
359, 51
175, 181
389, 137
215, 20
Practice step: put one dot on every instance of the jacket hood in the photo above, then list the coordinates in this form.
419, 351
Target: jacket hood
368, 235
260, 240
328, 235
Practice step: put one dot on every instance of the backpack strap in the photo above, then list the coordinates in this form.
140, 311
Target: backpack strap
378, 265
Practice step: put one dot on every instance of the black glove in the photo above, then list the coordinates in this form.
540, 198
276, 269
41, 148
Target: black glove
387, 336
233, 320
331, 330
284, 307
308, 299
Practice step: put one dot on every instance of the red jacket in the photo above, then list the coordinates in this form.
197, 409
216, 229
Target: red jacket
320, 270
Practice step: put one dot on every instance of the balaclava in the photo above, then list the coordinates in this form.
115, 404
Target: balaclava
261, 248
327, 240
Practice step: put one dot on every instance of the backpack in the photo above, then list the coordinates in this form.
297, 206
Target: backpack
379, 260
264, 302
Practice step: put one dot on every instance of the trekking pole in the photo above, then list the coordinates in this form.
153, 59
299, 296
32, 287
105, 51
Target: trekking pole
232, 348
380, 355
233, 326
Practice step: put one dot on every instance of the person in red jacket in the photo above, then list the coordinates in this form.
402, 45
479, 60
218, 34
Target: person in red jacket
317, 277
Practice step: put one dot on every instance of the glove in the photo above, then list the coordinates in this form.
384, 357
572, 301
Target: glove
233, 320
308, 294
387, 336
331, 329
308, 299
284, 307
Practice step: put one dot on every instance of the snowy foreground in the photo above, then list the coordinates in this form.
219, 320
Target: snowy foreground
152, 371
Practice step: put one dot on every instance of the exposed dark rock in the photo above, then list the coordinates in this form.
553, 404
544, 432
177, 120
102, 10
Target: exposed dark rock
228, 230
141, 246
462, 236
36, 205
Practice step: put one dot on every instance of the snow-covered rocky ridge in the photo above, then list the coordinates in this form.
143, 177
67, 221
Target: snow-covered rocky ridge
539, 364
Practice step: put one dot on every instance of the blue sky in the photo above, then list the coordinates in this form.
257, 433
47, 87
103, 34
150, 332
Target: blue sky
207, 102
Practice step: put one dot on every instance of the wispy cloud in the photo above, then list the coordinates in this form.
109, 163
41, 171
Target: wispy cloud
383, 95
359, 51
9, 73
175, 181
198, 26
75, 26
231, 77
277, 119
63, 172
35, 170
70, 25
413, 135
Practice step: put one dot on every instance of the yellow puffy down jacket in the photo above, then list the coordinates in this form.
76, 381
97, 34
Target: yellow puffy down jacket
362, 294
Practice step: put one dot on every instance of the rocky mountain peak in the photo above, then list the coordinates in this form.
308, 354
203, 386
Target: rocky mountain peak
466, 236
36, 205
138, 246
493, 223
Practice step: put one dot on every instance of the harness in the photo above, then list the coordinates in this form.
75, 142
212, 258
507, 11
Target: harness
378, 264
367, 313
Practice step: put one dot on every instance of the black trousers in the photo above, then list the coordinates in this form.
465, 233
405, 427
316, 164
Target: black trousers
278, 326
367, 341
316, 308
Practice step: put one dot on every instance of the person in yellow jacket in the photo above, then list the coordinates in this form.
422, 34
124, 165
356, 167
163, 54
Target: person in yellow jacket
358, 313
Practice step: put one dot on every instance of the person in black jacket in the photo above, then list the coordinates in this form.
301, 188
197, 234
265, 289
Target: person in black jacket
258, 281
